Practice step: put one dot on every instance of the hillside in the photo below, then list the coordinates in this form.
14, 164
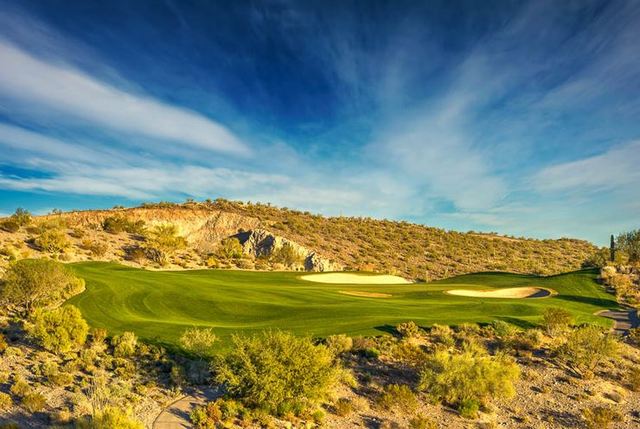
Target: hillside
316, 242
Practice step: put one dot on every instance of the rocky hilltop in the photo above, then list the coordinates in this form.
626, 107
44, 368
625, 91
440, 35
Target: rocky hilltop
228, 234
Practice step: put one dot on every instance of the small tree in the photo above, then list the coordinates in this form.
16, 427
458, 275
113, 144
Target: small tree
21, 217
198, 342
277, 371
629, 243
286, 255
556, 320
32, 283
59, 330
230, 248
165, 238
586, 348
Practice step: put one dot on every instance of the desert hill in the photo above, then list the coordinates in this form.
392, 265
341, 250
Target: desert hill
281, 238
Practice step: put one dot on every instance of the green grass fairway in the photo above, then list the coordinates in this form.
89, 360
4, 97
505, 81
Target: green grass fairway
159, 306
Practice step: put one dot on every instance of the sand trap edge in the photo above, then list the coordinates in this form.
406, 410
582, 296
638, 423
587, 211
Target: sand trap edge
472, 293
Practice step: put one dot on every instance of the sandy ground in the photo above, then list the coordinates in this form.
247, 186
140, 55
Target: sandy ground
353, 278
515, 292
365, 294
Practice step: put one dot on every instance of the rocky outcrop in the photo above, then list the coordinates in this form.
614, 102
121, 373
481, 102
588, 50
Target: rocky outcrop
261, 243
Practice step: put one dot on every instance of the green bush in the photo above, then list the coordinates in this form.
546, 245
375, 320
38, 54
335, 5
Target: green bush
286, 255
34, 402
457, 378
198, 342
600, 417
20, 387
124, 345
32, 283
60, 330
408, 330
165, 238
5, 402
118, 224
339, 344
469, 408
585, 348
21, 216
52, 241
277, 371
110, 418
557, 320
230, 248
397, 396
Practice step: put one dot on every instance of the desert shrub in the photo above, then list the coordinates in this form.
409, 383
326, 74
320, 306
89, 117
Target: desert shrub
286, 255
5, 401
633, 379
277, 371
469, 408
442, 334
96, 248
397, 396
556, 320
10, 225
3, 343
629, 243
98, 335
54, 376
230, 248
165, 238
34, 402
471, 375
110, 418
585, 348
339, 344
52, 241
118, 224
59, 330
422, 422
124, 345
343, 407
32, 283
62, 416
408, 330
600, 417
634, 336
20, 387
198, 342
21, 216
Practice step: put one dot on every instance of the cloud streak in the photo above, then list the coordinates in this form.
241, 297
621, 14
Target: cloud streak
62, 89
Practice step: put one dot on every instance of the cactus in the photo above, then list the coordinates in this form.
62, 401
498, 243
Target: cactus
612, 249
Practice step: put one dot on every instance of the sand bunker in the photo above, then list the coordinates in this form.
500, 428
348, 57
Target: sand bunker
365, 294
514, 292
354, 278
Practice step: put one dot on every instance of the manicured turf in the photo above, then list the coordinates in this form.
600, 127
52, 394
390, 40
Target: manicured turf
159, 306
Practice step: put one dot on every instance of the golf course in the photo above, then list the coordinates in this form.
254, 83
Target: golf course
159, 305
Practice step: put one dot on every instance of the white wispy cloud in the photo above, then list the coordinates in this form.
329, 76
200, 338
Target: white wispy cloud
65, 90
617, 169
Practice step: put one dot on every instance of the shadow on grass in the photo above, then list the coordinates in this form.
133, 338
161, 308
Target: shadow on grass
389, 329
597, 302
523, 324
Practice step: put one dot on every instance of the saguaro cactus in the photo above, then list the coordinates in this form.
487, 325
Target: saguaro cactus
612, 249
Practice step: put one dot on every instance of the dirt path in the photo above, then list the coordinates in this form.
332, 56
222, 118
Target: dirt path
625, 319
176, 415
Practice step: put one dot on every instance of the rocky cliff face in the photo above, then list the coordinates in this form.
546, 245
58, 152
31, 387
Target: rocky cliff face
204, 229
262, 243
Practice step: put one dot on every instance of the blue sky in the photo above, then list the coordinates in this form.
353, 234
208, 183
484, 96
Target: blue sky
516, 117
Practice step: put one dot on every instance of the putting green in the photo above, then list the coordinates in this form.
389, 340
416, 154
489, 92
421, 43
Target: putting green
159, 305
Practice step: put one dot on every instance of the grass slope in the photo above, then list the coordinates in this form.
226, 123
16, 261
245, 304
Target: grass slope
159, 306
